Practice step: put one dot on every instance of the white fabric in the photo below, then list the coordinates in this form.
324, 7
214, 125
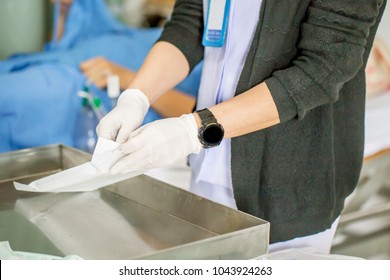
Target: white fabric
305, 253
159, 143
321, 242
222, 68
127, 116
85, 177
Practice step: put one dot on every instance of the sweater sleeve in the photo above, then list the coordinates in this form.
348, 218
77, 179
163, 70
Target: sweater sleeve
185, 29
330, 52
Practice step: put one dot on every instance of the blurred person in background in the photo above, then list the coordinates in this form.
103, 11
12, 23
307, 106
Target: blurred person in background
38, 98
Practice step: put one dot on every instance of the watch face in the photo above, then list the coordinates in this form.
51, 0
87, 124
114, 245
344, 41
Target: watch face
213, 134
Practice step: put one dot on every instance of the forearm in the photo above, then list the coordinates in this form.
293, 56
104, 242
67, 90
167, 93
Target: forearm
250, 111
60, 24
330, 52
164, 67
174, 103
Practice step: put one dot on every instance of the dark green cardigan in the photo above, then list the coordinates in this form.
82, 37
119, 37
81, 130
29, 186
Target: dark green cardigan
312, 56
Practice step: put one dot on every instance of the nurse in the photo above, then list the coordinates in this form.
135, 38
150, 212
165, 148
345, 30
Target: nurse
278, 130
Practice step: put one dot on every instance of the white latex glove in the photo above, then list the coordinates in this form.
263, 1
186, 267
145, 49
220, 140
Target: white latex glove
158, 144
127, 116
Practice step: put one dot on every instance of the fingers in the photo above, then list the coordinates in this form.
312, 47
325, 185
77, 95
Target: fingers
135, 142
133, 162
97, 76
116, 128
108, 127
105, 132
100, 81
127, 116
96, 71
91, 63
137, 157
124, 132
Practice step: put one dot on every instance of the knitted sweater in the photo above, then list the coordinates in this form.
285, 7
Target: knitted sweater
312, 55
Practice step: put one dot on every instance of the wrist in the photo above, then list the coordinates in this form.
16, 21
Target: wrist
197, 119
192, 130
134, 96
134, 93
210, 132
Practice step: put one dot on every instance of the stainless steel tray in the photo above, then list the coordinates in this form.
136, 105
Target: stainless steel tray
139, 218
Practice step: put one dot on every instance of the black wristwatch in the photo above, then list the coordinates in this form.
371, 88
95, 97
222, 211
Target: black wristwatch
211, 132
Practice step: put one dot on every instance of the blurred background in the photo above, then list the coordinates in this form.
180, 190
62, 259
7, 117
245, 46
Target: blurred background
25, 25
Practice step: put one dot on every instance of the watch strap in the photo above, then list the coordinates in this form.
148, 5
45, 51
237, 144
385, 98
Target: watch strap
206, 117
209, 125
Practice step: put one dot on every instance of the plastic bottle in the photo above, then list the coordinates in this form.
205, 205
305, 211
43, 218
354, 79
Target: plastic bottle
113, 89
85, 137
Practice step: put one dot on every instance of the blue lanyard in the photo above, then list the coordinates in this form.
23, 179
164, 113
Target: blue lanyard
216, 24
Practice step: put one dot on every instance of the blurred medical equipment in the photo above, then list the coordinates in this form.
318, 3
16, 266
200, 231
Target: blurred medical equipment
94, 102
91, 112
113, 89
85, 137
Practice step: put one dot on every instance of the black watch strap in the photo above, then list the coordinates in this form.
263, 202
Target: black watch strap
211, 132
206, 117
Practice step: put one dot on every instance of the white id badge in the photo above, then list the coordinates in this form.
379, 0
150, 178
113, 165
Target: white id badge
216, 23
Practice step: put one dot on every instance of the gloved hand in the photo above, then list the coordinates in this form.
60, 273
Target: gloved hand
158, 144
127, 116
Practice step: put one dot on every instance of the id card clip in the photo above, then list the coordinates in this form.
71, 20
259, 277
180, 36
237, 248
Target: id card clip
216, 24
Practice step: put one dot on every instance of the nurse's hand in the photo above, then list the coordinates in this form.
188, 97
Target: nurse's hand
127, 116
158, 144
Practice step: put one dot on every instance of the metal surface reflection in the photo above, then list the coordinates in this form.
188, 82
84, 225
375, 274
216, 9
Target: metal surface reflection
139, 218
